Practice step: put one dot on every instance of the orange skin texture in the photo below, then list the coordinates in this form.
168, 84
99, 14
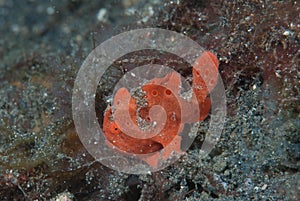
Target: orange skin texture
164, 92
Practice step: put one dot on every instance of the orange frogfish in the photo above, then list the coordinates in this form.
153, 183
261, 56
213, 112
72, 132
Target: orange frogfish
154, 123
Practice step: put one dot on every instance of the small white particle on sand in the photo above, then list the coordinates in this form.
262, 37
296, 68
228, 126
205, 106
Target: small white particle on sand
264, 187
102, 15
50, 10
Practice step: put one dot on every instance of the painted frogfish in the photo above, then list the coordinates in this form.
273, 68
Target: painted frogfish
142, 128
